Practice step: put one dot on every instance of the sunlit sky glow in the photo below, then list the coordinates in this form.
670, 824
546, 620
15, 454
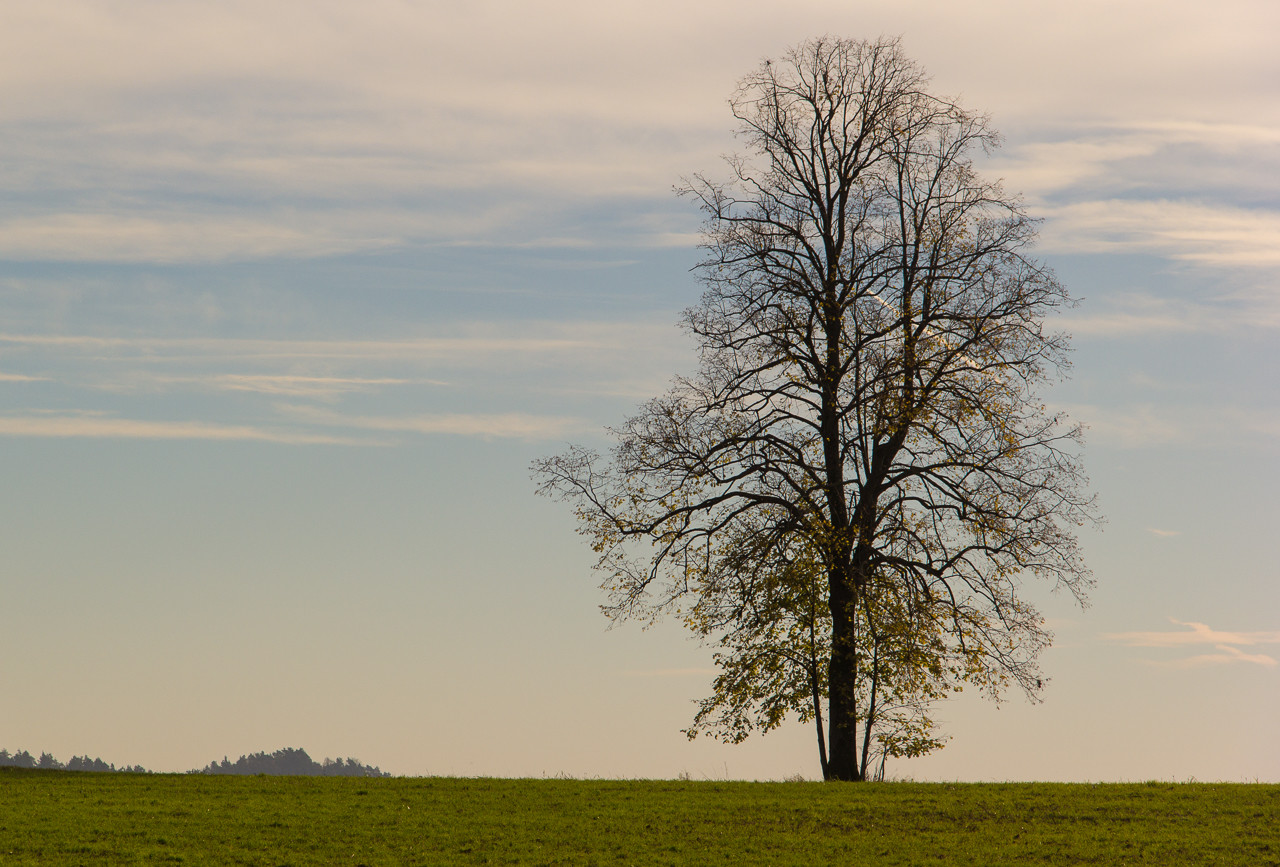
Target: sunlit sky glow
291, 294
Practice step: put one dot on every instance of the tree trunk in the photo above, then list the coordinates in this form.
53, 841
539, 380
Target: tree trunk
842, 760
842, 678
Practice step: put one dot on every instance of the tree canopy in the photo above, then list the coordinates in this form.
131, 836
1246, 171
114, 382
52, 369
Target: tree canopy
846, 496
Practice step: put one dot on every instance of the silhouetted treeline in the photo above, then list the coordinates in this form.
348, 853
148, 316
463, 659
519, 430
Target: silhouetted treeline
24, 759
293, 763
284, 762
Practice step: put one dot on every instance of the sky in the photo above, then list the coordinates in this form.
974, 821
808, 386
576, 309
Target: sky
291, 295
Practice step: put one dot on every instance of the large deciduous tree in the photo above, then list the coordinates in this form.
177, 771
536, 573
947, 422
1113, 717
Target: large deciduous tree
847, 495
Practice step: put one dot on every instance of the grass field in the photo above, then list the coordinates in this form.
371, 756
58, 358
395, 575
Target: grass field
61, 817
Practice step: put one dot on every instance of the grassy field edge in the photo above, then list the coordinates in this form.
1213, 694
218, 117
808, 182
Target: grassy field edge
56, 817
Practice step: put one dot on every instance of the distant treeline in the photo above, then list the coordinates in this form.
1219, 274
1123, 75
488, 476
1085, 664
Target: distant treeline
291, 762
284, 762
24, 759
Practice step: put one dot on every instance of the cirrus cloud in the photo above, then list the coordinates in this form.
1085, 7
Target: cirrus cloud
94, 425
1227, 644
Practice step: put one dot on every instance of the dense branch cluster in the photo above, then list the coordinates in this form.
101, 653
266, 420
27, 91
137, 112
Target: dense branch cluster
846, 495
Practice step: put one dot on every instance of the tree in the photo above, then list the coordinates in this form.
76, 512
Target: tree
20, 759
861, 471
84, 763
49, 763
768, 616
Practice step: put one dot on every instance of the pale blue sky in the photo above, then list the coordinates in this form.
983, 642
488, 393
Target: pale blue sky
290, 298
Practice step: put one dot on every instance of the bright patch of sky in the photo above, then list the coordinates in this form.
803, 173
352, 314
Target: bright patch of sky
291, 294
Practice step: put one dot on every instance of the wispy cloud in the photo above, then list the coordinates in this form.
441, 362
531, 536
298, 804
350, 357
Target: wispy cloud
1210, 234
1038, 168
486, 340
1141, 314
305, 385
1164, 534
288, 385
1227, 644
578, 357
485, 381
1226, 655
323, 388
1145, 425
190, 105
1134, 157
1195, 633
486, 425
101, 426
81, 237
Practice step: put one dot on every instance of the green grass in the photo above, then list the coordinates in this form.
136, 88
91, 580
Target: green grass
57, 817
